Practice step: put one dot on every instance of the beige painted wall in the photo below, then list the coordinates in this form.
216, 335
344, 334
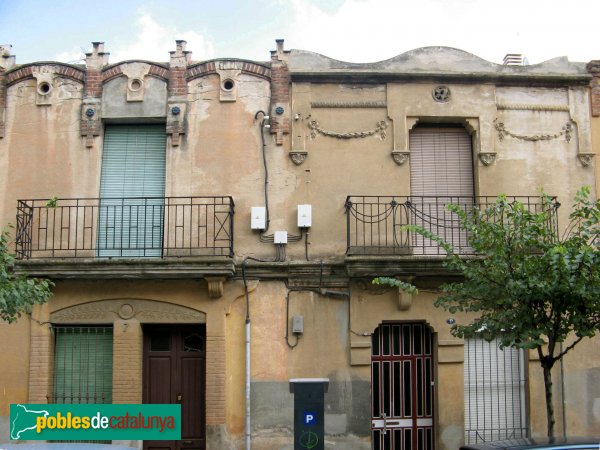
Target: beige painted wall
43, 155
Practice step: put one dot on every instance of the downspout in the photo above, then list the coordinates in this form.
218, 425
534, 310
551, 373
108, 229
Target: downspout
248, 409
248, 422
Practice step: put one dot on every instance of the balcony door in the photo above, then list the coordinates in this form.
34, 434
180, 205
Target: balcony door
441, 172
132, 190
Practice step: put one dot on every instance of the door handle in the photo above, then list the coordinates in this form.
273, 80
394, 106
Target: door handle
384, 415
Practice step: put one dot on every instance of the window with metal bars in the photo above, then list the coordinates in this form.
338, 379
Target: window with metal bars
495, 389
82, 364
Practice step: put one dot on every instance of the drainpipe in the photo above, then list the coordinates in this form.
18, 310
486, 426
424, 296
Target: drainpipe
248, 422
248, 409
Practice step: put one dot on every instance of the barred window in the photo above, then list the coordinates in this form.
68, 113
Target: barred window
495, 386
83, 364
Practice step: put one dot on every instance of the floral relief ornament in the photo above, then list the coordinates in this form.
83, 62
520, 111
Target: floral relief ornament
379, 129
566, 131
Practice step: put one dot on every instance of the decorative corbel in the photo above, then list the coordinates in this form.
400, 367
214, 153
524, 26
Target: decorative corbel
487, 158
91, 123
176, 121
400, 157
215, 286
298, 157
586, 158
404, 300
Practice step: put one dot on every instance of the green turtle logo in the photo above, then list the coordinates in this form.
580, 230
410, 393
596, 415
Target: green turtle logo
309, 439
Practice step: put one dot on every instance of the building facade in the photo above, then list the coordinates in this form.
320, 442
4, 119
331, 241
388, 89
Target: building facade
178, 205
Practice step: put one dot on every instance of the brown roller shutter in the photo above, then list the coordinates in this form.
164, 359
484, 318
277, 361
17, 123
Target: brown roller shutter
441, 162
441, 172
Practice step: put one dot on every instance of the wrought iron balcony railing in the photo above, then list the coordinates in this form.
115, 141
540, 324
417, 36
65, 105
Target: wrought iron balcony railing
375, 224
125, 227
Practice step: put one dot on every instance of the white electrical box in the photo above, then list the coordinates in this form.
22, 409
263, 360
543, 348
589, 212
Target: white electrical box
280, 237
298, 324
304, 216
258, 218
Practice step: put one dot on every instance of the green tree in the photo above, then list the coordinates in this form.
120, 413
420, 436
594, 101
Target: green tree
18, 293
530, 285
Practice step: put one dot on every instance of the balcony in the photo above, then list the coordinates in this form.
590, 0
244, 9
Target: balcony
125, 228
375, 223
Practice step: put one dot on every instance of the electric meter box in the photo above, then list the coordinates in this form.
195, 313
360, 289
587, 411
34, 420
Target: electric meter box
280, 237
304, 216
298, 324
258, 218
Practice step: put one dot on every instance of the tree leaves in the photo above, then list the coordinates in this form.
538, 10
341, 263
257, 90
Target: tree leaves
18, 293
529, 286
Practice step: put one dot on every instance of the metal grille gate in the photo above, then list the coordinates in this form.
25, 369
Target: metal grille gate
495, 391
402, 374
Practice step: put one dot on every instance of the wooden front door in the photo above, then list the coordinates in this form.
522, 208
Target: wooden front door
174, 372
402, 376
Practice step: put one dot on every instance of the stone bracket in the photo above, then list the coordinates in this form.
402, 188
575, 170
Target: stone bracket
404, 300
298, 157
215, 286
487, 158
400, 157
176, 121
91, 120
586, 158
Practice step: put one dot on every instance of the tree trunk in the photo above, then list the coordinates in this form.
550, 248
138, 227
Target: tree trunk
549, 404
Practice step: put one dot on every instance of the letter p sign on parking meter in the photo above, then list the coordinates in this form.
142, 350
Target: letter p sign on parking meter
310, 418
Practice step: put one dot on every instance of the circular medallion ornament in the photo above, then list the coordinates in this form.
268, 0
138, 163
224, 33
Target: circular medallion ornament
90, 112
279, 110
126, 311
175, 110
441, 94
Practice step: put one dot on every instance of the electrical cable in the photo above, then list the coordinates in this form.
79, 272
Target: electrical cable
306, 245
264, 156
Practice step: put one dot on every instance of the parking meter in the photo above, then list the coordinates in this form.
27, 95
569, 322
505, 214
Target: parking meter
309, 412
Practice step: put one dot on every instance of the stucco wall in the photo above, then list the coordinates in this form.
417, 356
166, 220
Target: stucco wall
520, 125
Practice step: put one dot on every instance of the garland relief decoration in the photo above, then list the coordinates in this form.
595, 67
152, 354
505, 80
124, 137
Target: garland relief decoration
566, 131
380, 128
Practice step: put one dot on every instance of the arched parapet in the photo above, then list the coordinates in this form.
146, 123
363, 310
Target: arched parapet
231, 73
54, 81
25, 71
217, 65
157, 70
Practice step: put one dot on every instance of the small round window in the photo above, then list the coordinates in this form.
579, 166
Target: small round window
44, 88
228, 85
135, 84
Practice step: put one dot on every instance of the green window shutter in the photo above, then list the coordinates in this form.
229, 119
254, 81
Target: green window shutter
132, 189
83, 364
